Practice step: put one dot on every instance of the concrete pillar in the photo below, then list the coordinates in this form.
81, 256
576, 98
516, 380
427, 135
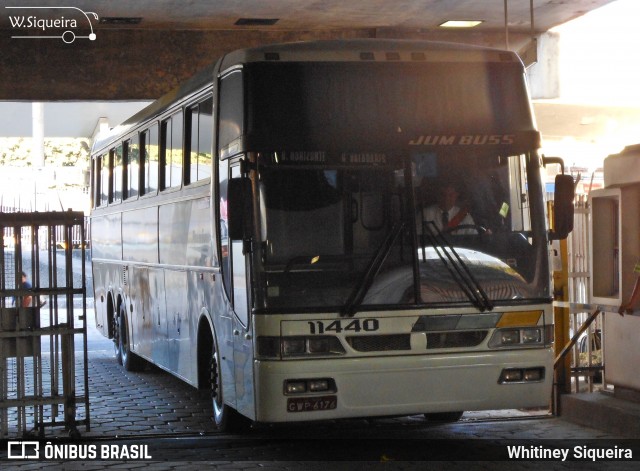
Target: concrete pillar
544, 75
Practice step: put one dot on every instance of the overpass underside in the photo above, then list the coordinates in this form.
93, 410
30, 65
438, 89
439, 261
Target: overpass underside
145, 64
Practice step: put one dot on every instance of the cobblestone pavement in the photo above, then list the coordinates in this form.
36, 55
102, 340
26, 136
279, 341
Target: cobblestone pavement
148, 402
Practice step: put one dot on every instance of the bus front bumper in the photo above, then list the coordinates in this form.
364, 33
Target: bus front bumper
402, 385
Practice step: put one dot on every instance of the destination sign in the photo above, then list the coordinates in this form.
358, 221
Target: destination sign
335, 158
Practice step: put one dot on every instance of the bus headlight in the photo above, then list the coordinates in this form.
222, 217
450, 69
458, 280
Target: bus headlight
296, 347
293, 346
531, 335
522, 337
509, 337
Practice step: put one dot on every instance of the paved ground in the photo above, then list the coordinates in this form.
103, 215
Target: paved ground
154, 412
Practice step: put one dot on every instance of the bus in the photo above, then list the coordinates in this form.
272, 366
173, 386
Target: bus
260, 231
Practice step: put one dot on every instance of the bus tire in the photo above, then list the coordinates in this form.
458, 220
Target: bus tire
130, 360
117, 350
225, 417
444, 417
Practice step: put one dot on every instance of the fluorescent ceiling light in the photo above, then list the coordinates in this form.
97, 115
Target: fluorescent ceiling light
460, 23
119, 20
256, 21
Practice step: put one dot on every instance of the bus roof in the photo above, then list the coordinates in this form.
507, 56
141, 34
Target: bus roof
369, 50
187, 88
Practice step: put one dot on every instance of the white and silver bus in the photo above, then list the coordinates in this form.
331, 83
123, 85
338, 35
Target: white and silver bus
261, 231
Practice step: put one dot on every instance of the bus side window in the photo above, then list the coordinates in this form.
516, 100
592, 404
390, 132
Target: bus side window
149, 160
116, 195
191, 144
106, 187
205, 139
125, 169
132, 164
199, 129
171, 152
231, 121
95, 194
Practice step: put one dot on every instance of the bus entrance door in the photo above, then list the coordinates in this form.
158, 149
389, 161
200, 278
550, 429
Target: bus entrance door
242, 341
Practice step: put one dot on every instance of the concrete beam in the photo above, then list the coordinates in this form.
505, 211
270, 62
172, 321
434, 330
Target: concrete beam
144, 64
123, 64
544, 76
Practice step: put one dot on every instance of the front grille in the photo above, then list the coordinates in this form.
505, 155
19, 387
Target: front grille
380, 343
470, 338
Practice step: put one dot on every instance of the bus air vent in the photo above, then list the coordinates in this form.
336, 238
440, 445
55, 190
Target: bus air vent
456, 339
380, 343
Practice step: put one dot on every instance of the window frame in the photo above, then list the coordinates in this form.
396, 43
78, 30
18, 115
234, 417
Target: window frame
145, 137
168, 133
115, 196
226, 150
193, 135
131, 143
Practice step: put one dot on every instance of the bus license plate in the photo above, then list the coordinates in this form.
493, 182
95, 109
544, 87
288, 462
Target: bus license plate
309, 404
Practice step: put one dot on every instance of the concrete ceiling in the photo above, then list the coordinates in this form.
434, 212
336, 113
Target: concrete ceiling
314, 14
144, 48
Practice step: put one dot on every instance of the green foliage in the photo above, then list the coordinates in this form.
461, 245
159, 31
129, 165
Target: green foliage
58, 152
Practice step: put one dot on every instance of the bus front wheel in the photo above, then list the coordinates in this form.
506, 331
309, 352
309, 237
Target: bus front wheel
226, 418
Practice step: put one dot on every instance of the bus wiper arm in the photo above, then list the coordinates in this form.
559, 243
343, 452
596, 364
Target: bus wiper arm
364, 283
457, 268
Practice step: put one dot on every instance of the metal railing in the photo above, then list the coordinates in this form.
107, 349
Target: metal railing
43, 380
80, 235
586, 320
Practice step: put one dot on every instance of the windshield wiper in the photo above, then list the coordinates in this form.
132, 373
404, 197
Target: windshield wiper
457, 268
364, 283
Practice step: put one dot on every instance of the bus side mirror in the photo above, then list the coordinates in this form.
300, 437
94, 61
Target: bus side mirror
238, 207
563, 207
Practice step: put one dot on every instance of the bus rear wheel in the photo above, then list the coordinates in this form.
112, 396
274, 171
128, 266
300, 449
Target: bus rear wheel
128, 359
117, 345
225, 417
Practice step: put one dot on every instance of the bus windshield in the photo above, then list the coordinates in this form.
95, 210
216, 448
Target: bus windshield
361, 233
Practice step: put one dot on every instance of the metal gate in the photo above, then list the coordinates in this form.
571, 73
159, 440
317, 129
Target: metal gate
43, 331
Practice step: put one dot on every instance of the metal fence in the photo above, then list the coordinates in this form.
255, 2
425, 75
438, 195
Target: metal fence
80, 235
587, 365
43, 375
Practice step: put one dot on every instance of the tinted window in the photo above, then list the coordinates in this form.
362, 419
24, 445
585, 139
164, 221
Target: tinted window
231, 124
171, 152
95, 194
133, 167
340, 105
149, 159
200, 123
117, 174
104, 179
